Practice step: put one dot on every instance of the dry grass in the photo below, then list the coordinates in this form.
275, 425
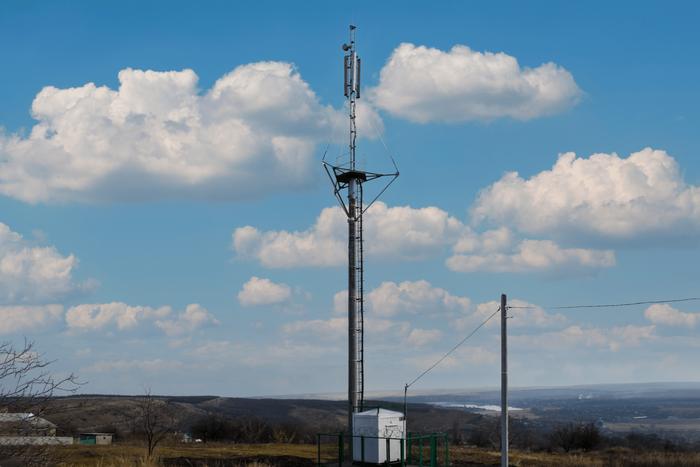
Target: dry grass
116, 455
616, 457
134, 456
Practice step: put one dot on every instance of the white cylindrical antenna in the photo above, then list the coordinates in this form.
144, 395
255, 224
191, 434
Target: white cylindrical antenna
357, 86
345, 75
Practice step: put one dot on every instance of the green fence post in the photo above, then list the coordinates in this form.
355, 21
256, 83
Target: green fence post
408, 448
432, 450
362, 441
402, 455
319, 450
447, 452
341, 453
388, 452
420, 451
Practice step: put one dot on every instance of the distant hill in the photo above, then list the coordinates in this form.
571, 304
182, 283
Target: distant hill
117, 413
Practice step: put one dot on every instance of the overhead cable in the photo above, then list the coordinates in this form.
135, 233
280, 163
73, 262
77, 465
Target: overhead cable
455, 348
608, 305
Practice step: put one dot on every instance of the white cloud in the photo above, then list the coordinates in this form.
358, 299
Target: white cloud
83, 352
665, 314
31, 275
535, 256
461, 358
149, 366
523, 314
340, 302
263, 292
93, 317
253, 133
332, 329
390, 299
321, 245
421, 337
615, 339
191, 319
296, 351
402, 233
602, 198
21, 318
426, 84
212, 349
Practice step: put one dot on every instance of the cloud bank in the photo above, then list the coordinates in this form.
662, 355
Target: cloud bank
36, 275
263, 292
22, 318
96, 317
424, 84
666, 314
253, 133
402, 234
638, 201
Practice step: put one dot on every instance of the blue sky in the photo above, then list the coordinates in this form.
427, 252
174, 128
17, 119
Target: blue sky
166, 219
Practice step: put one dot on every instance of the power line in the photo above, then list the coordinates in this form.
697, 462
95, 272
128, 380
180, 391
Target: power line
609, 305
455, 348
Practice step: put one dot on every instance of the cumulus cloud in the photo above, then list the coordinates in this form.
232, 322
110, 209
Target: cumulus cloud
424, 84
211, 349
422, 298
149, 366
253, 133
535, 256
614, 339
459, 359
36, 275
666, 314
332, 329
390, 299
421, 337
639, 200
402, 233
22, 318
321, 245
523, 314
263, 292
191, 319
93, 317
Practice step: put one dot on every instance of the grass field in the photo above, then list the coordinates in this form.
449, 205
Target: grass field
135, 455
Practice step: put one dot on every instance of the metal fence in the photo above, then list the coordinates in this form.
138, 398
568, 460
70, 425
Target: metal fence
417, 449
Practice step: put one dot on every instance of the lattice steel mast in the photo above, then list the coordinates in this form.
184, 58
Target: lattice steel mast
350, 174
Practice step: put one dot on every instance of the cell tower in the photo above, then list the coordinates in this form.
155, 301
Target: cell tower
349, 174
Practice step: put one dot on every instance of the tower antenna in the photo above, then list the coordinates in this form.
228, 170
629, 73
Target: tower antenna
350, 174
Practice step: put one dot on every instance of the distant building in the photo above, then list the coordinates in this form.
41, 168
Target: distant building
25, 424
95, 438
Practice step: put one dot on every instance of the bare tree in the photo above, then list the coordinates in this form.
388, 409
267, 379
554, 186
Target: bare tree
28, 393
214, 427
488, 432
157, 418
589, 437
253, 429
566, 435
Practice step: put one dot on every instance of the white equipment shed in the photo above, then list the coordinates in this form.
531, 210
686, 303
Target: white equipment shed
376, 426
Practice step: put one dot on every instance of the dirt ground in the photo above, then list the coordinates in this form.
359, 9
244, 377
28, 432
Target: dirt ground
242, 461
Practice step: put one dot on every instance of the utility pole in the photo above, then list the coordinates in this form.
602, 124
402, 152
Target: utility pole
504, 384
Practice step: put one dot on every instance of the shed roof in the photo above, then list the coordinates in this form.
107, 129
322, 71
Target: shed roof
29, 418
381, 413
